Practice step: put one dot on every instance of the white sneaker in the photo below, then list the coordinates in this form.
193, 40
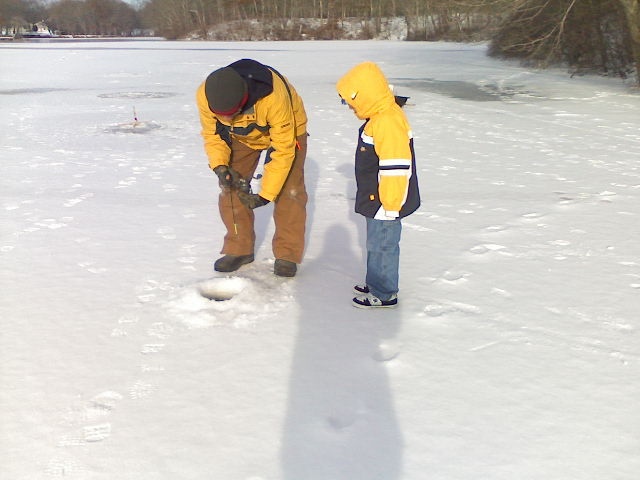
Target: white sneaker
371, 301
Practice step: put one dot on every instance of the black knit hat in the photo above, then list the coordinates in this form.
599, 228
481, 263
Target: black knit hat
226, 91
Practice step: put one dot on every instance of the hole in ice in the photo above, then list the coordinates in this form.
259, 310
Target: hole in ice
137, 95
220, 289
133, 127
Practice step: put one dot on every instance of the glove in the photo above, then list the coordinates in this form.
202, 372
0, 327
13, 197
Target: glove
252, 200
238, 182
224, 175
230, 178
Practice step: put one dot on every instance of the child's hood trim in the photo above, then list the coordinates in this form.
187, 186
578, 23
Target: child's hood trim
366, 90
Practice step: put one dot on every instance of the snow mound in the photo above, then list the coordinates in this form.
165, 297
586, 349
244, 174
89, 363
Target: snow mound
220, 289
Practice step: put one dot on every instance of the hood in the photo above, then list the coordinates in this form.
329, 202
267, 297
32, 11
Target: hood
258, 78
366, 90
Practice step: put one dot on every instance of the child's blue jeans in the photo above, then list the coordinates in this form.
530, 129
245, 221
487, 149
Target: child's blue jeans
383, 257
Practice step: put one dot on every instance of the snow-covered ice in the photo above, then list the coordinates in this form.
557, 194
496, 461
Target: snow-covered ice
514, 353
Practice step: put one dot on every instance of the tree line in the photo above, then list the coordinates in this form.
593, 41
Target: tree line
72, 17
425, 19
587, 35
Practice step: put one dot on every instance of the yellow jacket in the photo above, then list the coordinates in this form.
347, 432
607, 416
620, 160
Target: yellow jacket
385, 160
273, 121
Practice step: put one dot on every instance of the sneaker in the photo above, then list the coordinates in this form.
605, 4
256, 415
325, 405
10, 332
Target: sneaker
361, 289
284, 268
371, 301
231, 263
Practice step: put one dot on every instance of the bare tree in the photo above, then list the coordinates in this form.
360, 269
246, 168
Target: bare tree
171, 18
586, 34
70, 17
15, 14
632, 14
92, 17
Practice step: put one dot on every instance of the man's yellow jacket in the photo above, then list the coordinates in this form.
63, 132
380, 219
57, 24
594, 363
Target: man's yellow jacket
272, 118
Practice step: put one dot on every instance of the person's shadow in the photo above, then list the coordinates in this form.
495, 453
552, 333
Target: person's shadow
340, 423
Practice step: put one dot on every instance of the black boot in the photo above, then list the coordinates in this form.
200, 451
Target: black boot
284, 268
231, 263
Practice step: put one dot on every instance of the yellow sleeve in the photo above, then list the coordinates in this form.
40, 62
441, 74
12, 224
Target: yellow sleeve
391, 136
217, 150
282, 132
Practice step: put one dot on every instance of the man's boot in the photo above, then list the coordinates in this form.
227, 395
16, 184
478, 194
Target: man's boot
231, 263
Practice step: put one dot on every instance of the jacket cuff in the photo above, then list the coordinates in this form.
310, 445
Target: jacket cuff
382, 214
266, 196
213, 164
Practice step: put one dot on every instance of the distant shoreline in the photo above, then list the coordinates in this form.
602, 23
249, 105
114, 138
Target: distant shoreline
79, 39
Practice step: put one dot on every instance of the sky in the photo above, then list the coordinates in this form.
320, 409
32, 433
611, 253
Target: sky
513, 352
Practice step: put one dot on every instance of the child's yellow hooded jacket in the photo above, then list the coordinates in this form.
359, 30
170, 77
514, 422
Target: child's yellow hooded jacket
385, 159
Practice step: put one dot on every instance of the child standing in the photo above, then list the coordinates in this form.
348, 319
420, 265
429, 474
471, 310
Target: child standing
387, 186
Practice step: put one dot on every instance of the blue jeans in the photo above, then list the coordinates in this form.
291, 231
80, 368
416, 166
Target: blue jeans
383, 257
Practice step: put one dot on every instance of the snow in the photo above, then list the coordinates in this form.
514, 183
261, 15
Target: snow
514, 352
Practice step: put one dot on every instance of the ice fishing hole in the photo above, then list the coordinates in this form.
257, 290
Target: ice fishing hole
133, 127
221, 289
135, 95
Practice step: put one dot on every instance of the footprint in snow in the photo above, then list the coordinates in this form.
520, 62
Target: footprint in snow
151, 348
64, 465
102, 404
455, 277
488, 247
96, 433
387, 351
448, 308
168, 233
97, 408
532, 216
341, 420
496, 228
160, 330
141, 389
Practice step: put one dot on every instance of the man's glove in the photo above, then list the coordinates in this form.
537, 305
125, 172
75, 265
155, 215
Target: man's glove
224, 175
238, 182
252, 200
230, 178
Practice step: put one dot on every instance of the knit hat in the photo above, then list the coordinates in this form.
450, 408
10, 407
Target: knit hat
226, 91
